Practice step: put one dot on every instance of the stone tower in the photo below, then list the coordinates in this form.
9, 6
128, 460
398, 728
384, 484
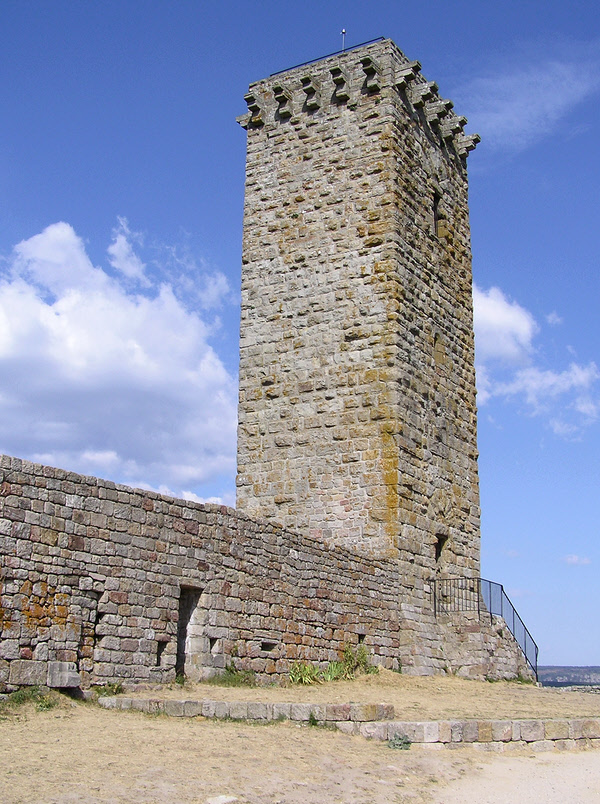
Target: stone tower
357, 417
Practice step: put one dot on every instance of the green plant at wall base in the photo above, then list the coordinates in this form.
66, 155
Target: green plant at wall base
312, 719
399, 742
305, 673
353, 663
356, 662
43, 700
113, 688
334, 671
232, 677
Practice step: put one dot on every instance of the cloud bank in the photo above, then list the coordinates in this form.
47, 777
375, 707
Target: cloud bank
112, 375
507, 366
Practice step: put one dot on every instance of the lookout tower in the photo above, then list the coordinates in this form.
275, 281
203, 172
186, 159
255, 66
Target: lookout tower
357, 417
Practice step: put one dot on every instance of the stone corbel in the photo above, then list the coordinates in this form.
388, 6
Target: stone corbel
254, 117
342, 87
436, 110
371, 70
284, 101
421, 93
467, 143
407, 74
452, 125
312, 90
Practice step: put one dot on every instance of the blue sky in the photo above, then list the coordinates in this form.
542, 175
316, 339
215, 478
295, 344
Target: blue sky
121, 193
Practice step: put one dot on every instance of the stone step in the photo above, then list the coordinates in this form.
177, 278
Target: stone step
376, 722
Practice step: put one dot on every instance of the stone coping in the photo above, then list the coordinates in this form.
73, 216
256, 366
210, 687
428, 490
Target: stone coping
376, 722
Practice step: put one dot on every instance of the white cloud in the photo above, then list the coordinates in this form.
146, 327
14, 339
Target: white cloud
508, 367
522, 103
122, 257
554, 319
503, 328
105, 381
538, 385
576, 560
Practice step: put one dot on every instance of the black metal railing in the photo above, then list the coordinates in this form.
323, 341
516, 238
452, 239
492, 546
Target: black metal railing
487, 597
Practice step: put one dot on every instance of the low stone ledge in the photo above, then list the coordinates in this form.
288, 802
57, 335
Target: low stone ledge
487, 735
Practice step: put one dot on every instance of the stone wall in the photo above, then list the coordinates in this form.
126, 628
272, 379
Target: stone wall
92, 575
357, 419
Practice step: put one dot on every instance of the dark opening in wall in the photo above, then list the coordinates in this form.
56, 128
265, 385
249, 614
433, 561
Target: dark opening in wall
188, 600
268, 646
361, 638
439, 545
212, 643
160, 649
436, 211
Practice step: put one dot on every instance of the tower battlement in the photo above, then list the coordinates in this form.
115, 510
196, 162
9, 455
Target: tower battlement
377, 70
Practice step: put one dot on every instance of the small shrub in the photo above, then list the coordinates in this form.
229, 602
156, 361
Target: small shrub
112, 688
304, 673
232, 677
399, 742
334, 671
43, 700
312, 719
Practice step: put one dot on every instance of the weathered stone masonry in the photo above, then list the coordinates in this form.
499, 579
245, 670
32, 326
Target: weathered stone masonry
357, 457
92, 574
357, 418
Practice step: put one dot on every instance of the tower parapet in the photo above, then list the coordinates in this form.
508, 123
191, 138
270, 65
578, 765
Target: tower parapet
357, 419
316, 85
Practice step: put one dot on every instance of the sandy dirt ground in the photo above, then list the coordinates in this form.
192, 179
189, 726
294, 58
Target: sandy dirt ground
78, 752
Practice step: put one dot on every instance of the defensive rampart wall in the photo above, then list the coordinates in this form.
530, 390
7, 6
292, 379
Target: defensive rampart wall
101, 583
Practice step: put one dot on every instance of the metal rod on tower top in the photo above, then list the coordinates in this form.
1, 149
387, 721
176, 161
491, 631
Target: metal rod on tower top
343, 39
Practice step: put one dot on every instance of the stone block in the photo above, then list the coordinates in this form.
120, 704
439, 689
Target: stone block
192, 708
575, 729
541, 745
556, 729
374, 730
282, 711
174, 708
300, 711
362, 713
63, 675
209, 708
565, 745
28, 673
484, 731
445, 731
415, 732
532, 730
470, 731
4, 671
221, 709
337, 712
346, 726
590, 728
501, 730
238, 710
260, 711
